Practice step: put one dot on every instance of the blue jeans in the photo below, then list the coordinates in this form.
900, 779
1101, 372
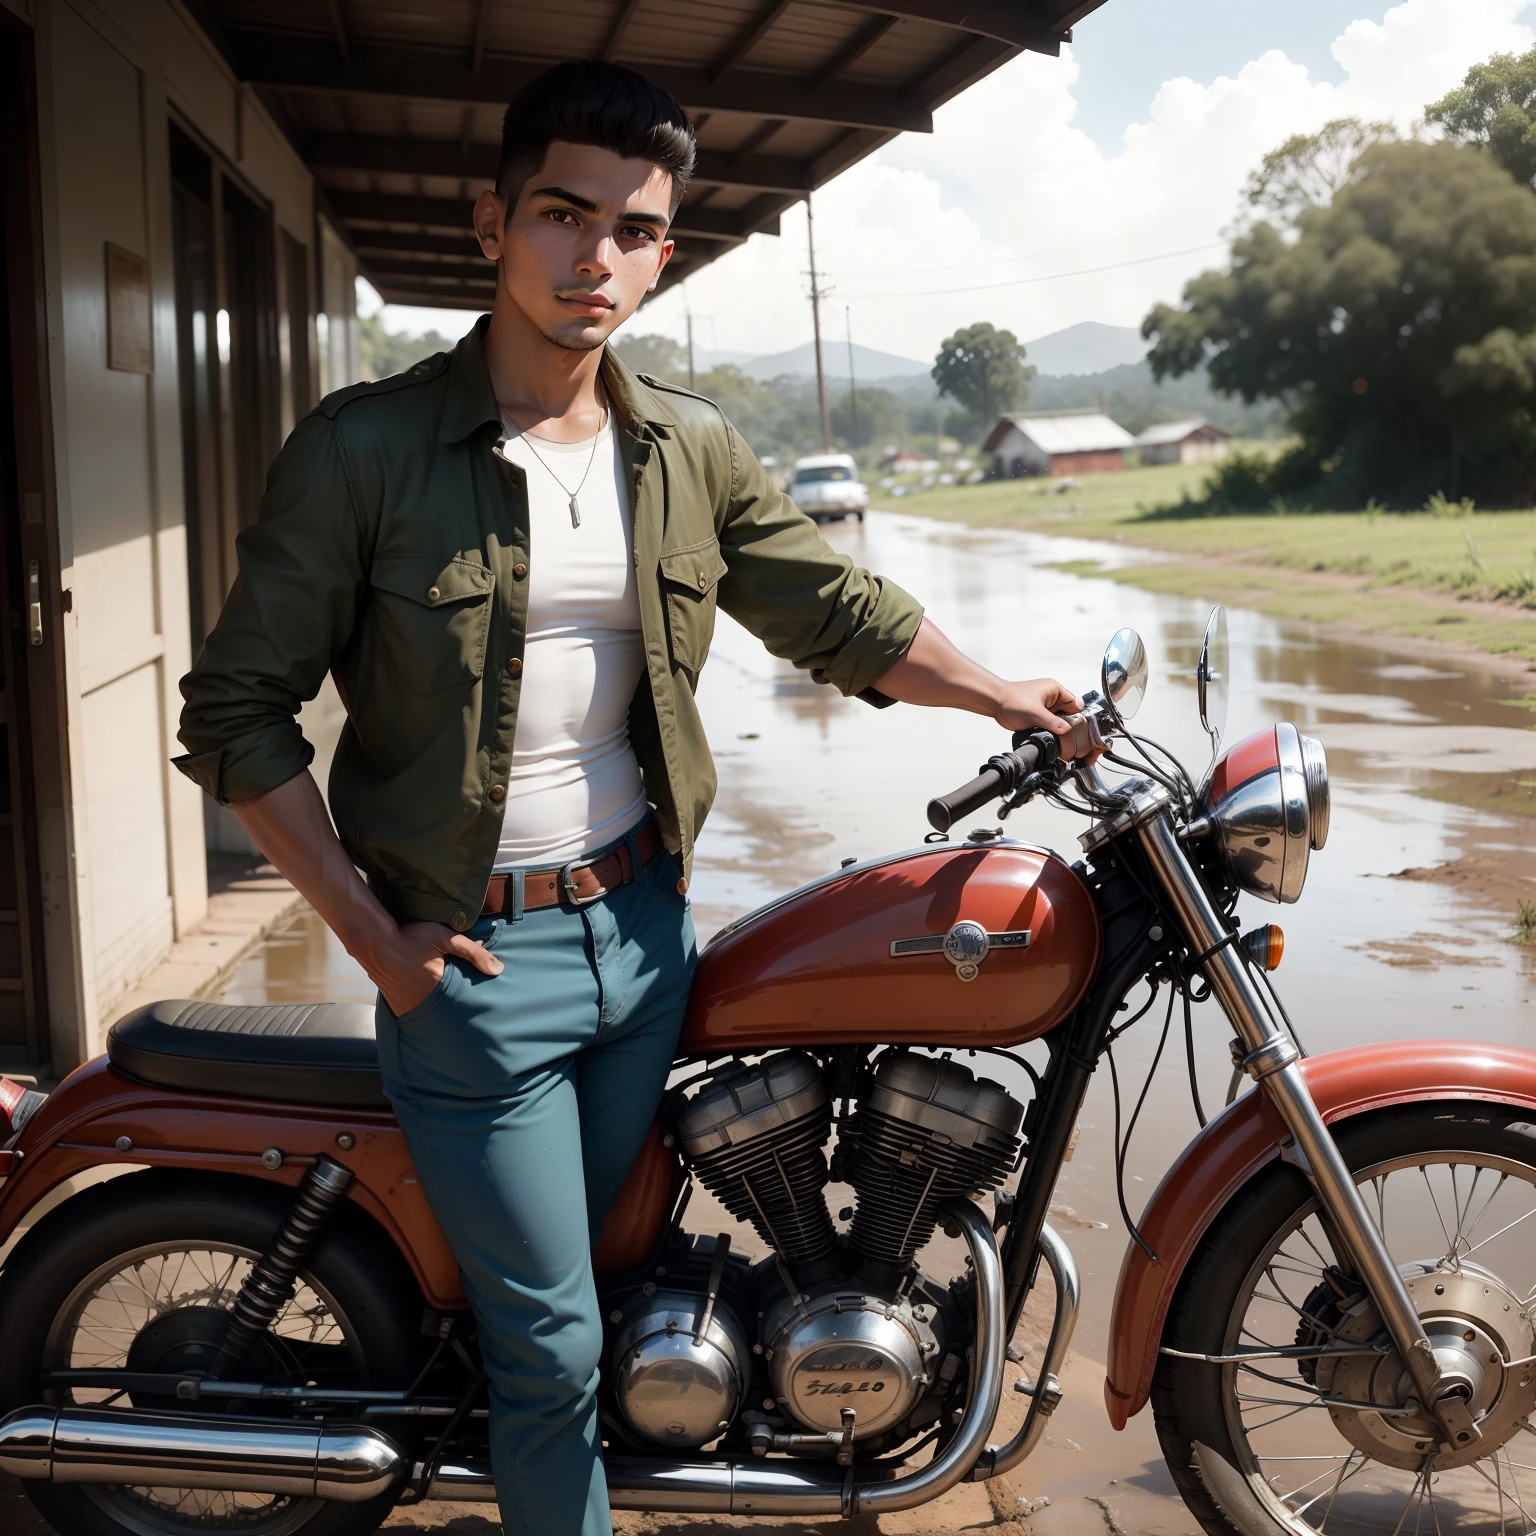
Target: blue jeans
525, 1098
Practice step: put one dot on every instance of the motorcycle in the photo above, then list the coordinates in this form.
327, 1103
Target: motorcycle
232, 1306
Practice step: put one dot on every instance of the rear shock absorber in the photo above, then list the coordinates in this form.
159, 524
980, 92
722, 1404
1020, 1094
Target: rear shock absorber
274, 1276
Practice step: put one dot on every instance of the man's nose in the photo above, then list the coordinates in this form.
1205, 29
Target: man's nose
599, 257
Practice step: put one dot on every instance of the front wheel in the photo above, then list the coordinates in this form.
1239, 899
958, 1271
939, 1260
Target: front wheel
1315, 1430
139, 1274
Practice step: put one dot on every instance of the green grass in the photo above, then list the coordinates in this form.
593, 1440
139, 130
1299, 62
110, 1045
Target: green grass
1383, 571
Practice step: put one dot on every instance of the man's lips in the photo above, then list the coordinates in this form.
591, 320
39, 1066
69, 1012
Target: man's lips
589, 303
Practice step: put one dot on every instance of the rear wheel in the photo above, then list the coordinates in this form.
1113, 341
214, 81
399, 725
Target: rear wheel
139, 1274
1317, 1430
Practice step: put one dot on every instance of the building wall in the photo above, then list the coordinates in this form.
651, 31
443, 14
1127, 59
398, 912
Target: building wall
1097, 463
110, 76
1014, 455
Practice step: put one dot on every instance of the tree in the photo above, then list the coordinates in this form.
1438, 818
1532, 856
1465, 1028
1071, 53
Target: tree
658, 355
984, 369
385, 353
1399, 326
1309, 169
1494, 108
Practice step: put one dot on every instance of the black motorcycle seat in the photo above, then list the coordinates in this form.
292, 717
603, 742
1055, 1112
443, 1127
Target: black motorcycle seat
294, 1053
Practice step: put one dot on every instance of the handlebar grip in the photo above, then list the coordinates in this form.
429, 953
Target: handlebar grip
1001, 775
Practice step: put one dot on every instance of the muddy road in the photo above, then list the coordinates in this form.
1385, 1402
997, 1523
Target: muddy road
1407, 927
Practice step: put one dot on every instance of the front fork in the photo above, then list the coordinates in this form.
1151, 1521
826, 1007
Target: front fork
1272, 1060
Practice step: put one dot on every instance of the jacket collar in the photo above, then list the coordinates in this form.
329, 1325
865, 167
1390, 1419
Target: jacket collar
471, 402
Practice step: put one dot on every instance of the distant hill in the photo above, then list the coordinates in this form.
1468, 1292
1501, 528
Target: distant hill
800, 362
1087, 347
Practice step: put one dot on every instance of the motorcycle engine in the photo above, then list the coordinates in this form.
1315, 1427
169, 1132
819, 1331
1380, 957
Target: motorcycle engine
844, 1321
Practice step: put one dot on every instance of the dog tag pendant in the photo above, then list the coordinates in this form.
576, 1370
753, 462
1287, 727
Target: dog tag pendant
575, 513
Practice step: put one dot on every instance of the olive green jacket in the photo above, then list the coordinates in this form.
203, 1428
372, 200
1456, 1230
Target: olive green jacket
392, 551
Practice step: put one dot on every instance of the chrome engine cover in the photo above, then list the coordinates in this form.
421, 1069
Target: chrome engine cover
673, 1387
842, 1348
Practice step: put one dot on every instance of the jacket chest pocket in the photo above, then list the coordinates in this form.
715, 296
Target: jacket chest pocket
431, 619
691, 583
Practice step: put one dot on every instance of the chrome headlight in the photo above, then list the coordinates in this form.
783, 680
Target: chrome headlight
1267, 801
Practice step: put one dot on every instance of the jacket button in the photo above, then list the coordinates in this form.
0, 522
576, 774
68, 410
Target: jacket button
682, 885
515, 666
703, 581
498, 793
519, 570
433, 593
460, 920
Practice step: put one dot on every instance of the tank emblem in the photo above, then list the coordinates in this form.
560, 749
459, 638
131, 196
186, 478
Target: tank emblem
965, 946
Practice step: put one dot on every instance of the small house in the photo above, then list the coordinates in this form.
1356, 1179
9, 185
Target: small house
1196, 441
1056, 443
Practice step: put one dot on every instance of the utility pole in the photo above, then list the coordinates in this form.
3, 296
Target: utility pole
688, 315
853, 395
816, 298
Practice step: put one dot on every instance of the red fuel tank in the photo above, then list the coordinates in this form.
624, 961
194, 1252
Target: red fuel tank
976, 944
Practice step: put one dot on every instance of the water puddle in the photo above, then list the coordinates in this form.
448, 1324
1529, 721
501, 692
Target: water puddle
1406, 926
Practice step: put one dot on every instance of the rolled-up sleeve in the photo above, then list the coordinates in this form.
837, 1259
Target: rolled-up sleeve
804, 601
302, 572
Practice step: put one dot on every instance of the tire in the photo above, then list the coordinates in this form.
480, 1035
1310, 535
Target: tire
1214, 1422
143, 1226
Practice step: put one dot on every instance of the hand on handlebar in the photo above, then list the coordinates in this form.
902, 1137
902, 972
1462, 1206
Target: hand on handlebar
1042, 703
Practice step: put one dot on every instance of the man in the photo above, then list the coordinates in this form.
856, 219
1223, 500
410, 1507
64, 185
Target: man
510, 558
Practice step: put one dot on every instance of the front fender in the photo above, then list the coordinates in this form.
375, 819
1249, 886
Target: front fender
1239, 1142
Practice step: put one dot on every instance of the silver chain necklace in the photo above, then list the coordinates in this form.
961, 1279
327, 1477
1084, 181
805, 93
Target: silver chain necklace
571, 495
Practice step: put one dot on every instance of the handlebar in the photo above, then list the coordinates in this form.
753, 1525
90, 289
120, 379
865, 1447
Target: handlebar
999, 775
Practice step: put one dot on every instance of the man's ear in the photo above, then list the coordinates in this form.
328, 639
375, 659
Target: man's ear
489, 216
667, 247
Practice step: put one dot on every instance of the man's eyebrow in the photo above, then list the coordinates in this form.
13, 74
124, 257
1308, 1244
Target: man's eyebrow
588, 206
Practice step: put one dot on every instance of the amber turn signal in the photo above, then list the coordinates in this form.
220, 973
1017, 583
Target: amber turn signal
1265, 946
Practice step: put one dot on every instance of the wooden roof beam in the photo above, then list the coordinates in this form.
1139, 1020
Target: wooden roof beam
287, 61
339, 26
621, 26
748, 38
477, 34
854, 49
447, 157
453, 213
1035, 27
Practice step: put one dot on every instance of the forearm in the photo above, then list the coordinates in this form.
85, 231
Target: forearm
291, 827
936, 672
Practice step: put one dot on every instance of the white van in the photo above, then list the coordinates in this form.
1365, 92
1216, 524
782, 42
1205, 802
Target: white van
827, 485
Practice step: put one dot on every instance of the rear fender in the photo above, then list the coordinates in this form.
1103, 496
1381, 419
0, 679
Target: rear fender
97, 1119
1241, 1141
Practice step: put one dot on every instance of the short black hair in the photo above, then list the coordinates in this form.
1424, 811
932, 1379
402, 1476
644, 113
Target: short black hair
590, 101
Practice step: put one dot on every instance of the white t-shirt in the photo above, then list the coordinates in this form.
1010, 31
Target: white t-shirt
575, 783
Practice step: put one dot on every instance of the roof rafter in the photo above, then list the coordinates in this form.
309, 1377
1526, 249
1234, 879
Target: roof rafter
748, 38
454, 213
293, 63
448, 157
1031, 26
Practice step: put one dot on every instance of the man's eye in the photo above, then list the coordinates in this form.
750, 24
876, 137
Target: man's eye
639, 232
562, 215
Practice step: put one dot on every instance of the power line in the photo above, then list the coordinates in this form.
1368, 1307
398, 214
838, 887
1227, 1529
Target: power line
1020, 282
997, 261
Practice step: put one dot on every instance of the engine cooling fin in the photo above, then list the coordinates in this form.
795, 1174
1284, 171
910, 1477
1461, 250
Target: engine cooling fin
755, 1137
928, 1131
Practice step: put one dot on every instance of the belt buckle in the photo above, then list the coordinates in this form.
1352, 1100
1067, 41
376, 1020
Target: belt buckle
568, 886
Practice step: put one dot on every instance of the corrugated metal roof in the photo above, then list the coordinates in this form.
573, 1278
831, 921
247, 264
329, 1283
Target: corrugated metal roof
396, 106
1089, 432
1175, 432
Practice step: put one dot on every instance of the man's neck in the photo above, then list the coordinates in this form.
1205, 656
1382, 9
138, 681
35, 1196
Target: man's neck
541, 387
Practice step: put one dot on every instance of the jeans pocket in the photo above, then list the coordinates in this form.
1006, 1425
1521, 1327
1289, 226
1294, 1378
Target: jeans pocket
666, 874
435, 996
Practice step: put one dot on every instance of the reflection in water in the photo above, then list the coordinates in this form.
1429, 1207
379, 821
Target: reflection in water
1430, 764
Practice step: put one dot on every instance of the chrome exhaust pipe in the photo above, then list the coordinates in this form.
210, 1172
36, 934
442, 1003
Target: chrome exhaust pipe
345, 1462
784, 1487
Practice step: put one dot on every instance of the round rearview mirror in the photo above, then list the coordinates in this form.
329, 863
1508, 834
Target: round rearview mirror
1212, 677
1124, 674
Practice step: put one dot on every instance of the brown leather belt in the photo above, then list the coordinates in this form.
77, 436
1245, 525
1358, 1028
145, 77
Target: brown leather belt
575, 883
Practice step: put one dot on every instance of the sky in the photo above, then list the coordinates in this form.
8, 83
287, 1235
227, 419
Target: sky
1085, 187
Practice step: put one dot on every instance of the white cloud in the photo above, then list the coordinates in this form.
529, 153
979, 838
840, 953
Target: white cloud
1005, 174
